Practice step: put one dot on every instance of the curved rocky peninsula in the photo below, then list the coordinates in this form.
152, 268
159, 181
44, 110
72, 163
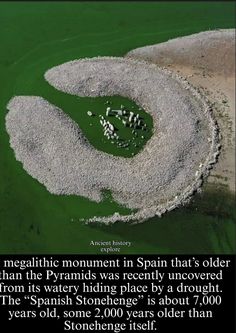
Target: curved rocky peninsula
169, 169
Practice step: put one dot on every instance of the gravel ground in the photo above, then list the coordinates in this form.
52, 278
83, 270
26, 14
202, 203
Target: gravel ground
207, 60
213, 51
172, 165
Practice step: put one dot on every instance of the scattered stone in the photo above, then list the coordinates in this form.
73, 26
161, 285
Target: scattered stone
44, 137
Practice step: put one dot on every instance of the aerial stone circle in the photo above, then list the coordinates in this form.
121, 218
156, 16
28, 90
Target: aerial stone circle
164, 175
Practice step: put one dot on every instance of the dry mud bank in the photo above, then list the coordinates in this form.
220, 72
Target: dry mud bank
207, 60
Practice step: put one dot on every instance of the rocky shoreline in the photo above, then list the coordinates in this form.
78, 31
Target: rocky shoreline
163, 176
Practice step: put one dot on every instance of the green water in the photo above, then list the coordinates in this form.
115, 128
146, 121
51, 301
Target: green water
37, 36
32, 82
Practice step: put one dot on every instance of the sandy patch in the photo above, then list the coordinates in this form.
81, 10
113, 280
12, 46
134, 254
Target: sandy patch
207, 60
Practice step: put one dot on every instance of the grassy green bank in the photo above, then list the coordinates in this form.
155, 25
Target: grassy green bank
37, 36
